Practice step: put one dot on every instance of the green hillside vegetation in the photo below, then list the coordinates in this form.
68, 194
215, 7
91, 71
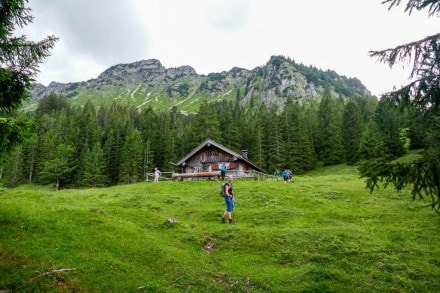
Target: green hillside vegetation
143, 97
322, 233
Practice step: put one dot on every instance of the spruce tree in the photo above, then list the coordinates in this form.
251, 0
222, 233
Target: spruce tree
88, 134
273, 143
423, 93
93, 174
331, 150
228, 125
298, 153
113, 140
351, 131
59, 169
19, 62
390, 123
371, 144
148, 129
13, 167
132, 155
206, 125
163, 143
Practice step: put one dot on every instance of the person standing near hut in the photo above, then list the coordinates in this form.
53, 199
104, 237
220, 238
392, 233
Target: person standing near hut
230, 201
223, 170
157, 174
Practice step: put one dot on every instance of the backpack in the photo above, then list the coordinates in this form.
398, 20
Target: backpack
222, 189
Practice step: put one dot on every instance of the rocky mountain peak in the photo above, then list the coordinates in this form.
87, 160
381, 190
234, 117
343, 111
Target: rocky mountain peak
177, 72
142, 69
148, 82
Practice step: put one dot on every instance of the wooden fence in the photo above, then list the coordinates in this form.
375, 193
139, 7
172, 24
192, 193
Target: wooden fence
217, 175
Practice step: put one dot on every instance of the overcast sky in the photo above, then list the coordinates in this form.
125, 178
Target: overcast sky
217, 35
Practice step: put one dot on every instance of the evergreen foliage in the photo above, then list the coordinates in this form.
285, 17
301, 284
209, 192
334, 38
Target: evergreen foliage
298, 152
19, 60
371, 144
351, 132
421, 95
121, 145
59, 168
93, 168
331, 150
131, 167
390, 123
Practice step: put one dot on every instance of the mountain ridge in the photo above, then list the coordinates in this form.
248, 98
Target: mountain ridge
147, 83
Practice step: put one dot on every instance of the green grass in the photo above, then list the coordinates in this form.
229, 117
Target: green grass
323, 233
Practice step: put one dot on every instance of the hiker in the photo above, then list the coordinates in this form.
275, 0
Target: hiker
223, 170
156, 174
229, 199
290, 175
285, 176
277, 174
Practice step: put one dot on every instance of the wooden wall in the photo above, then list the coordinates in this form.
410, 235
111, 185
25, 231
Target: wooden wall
209, 159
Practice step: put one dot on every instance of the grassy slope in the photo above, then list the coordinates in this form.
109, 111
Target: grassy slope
323, 233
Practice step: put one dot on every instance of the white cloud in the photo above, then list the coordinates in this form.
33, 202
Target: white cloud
227, 14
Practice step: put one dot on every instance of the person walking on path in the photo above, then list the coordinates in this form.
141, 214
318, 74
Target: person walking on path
229, 199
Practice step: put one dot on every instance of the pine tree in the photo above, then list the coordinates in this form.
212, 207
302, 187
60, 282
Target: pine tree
148, 129
148, 159
272, 138
298, 153
371, 144
228, 126
390, 122
93, 174
52, 104
422, 93
331, 150
13, 166
132, 154
113, 140
163, 144
19, 61
88, 131
88, 134
351, 132
206, 125
59, 169
181, 126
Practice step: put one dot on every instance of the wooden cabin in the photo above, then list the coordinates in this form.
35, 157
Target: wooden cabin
205, 161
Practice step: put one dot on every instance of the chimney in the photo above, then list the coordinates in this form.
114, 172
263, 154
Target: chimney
245, 153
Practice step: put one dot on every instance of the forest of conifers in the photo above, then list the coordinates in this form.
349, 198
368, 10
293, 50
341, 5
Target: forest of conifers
90, 146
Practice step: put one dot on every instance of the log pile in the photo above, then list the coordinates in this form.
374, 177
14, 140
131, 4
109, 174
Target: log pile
209, 175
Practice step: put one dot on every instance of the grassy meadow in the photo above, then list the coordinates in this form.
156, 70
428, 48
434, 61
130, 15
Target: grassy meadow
322, 233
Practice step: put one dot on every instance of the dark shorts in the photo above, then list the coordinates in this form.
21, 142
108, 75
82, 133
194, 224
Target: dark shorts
229, 204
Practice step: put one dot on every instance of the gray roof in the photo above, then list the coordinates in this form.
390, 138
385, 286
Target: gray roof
221, 147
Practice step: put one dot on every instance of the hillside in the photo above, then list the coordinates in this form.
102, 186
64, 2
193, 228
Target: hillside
323, 233
148, 83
